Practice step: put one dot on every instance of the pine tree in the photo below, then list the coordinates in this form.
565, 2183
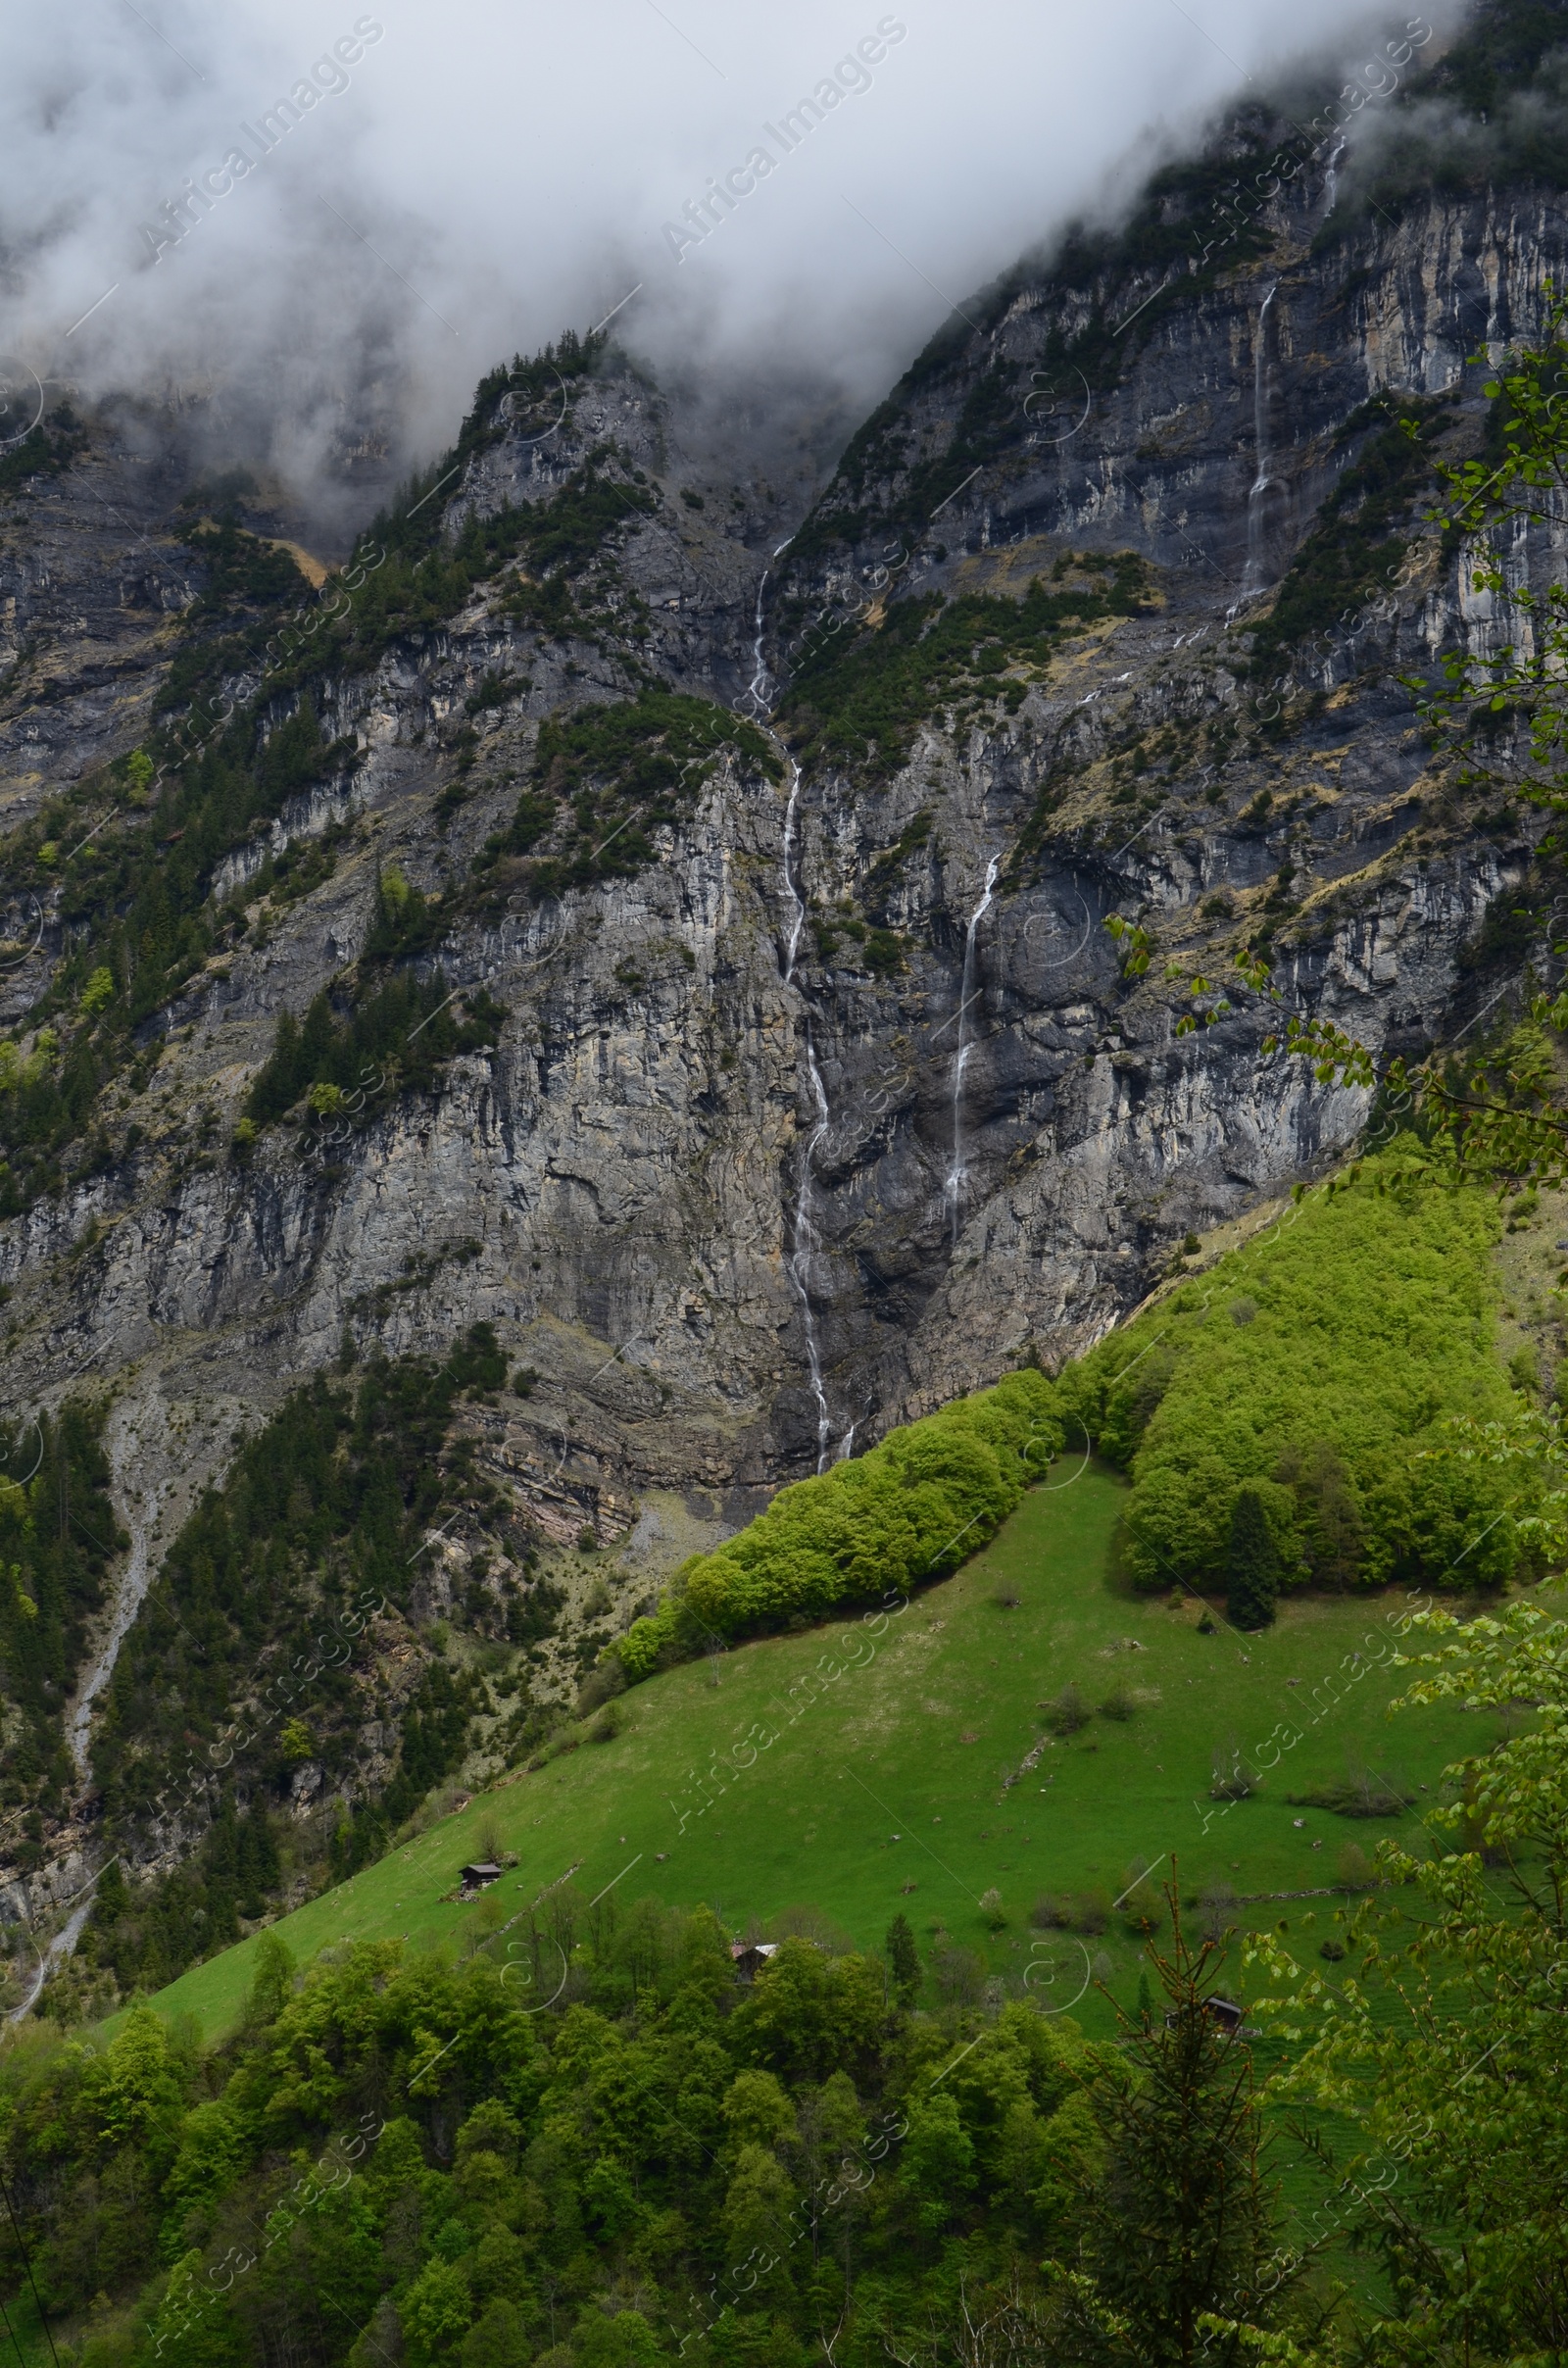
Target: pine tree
904, 1961
1178, 2221
1251, 1563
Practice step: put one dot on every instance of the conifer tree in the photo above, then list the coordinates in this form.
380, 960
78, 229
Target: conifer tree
1251, 1562
904, 1961
1178, 2220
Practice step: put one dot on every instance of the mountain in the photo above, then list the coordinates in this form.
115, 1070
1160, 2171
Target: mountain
604, 1003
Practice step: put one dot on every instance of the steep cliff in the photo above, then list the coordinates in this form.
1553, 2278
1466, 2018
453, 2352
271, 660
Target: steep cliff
797, 1085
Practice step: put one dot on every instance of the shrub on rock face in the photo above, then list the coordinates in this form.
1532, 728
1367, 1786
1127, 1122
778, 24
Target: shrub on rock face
910, 1511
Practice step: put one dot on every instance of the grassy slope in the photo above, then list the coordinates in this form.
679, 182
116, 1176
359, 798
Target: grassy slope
914, 1742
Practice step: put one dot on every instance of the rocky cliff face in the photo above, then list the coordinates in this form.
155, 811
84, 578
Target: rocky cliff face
844, 1101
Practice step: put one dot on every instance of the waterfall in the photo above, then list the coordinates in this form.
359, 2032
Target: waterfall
1331, 178
803, 1242
761, 682
129, 1596
959, 1172
791, 885
760, 690
1256, 577
804, 1239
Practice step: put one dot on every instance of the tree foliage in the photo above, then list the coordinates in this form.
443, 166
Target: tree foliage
396, 2157
1332, 1368
911, 1511
1252, 1561
1454, 2159
58, 1538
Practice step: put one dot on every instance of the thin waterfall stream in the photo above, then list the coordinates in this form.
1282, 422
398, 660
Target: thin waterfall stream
1331, 178
803, 1232
761, 682
805, 1235
804, 1239
54, 1952
957, 1174
1256, 576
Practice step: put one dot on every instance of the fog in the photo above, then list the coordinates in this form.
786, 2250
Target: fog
447, 185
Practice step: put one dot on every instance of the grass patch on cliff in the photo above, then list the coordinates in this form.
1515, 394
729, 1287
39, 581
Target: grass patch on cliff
859, 707
393, 1040
1355, 549
606, 777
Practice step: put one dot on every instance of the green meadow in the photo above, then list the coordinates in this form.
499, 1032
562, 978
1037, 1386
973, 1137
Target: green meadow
861, 1768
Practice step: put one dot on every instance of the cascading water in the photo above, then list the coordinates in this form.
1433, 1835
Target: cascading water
804, 1243
791, 887
1331, 178
959, 1172
804, 1239
760, 690
53, 1954
761, 682
1256, 577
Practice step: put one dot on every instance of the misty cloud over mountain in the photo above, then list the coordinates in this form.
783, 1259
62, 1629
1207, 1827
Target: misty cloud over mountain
330, 220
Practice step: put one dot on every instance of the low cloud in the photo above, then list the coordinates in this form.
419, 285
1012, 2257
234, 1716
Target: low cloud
329, 226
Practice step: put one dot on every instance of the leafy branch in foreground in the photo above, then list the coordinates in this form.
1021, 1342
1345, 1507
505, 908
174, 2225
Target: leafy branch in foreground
1461, 2164
1488, 1116
1491, 1117
1504, 716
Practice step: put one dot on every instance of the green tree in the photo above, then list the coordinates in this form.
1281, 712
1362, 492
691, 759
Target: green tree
140, 2097
194, 2326
755, 2224
937, 2166
211, 2150
622, 2341
808, 2014
1251, 1562
270, 1980
436, 2309
758, 2111
1177, 2219
498, 2340
1458, 2163
904, 1961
